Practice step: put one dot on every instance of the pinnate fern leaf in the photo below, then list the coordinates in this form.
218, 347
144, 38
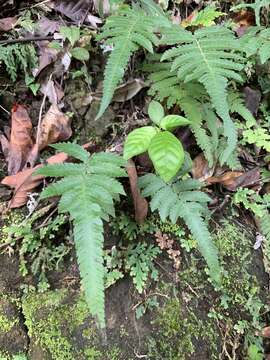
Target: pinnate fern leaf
212, 56
88, 191
126, 32
174, 201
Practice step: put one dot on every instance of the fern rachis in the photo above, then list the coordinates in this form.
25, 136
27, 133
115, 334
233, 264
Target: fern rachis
88, 191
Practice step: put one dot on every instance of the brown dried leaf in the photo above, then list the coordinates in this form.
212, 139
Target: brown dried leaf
232, 180
8, 23
73, 9
128, 90
24, 182
53, 91
140, 204
227, 179
20, 139
54, 127
200, 169
47, 26
266, 332
47, 56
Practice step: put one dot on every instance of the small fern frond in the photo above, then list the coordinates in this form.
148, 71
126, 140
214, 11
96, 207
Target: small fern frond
126, 32
179, 200
237, 105
88, 191
72, 149
211, 56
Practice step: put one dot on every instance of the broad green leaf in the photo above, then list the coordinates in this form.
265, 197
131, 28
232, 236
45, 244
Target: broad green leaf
167, 154
138, 141
155, 111
171, 122
72, 33
80, 54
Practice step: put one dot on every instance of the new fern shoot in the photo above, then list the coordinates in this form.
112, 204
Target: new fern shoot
164, 149
88, 191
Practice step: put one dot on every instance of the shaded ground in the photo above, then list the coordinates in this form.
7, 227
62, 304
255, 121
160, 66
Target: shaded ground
189, 321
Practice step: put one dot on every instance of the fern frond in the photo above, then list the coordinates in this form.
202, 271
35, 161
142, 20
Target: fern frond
88, 191
178, 200
72, 149
212, 56
237, 105
127, 31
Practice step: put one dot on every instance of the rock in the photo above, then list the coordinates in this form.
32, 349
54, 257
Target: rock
100, 126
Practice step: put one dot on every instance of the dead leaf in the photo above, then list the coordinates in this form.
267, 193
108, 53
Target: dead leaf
24, 182
140, 204
252, 99
200, 169
47, 26
54, 127
73, 9
20, 142
8, 23
227, 180
53, 91
47, 55
232, 180
266, 332
128, 90
243, 20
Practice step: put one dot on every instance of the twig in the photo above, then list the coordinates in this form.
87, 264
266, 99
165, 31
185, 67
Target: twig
2, 107
24, 40
41, 109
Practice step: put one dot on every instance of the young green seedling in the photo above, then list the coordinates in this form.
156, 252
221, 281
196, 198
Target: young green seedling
164, 149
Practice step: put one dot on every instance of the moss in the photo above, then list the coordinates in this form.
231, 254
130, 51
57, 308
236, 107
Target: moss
176, 330
197, 314
7, 324
59, 322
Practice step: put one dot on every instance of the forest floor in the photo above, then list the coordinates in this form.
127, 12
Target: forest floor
178, 314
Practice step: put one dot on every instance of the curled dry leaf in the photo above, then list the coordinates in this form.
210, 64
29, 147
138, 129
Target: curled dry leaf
232, 180
47, 26
200, 169
20, 142
7, 23
54, 127
53, 91
140, 204
47, 55
266, 332
24, 182
128, 90
73, 9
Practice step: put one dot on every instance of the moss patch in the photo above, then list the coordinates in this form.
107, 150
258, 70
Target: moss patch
59, 322
200, 320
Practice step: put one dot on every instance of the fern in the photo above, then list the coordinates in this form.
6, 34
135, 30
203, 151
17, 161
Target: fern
18, 58
126, 32
88, 191
257, 42
183, 200
211, 56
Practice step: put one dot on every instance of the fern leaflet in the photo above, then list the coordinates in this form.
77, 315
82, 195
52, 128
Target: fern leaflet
211, 56
88, 191
126, 32
179, 200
